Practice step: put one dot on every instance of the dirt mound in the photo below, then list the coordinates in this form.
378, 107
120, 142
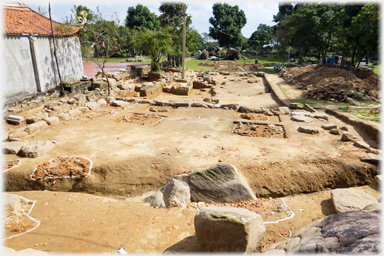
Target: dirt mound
322, 75
231, 65
334, 83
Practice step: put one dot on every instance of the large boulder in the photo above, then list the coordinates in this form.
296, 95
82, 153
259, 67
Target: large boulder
347, 200
308, 129
346, 233
204, 55
232, 54
228, 229
301, 118
220, 183
35, 148
175, 193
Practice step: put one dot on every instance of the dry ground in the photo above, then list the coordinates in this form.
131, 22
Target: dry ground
131, 159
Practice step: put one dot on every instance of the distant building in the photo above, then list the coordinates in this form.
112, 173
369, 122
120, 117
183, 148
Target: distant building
28, 58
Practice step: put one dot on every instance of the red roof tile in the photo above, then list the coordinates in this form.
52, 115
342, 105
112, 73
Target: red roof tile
19, 20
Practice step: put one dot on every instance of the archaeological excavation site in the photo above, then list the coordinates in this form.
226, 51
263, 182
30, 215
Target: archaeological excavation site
215, 161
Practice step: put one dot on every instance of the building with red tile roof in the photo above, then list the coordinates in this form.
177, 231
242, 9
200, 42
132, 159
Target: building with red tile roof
29, 61
24, 20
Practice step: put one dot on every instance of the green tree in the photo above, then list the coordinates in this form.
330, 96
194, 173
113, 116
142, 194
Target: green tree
155, 42
171, 15
106, 40
365, 26
140, 17
230, 20
259, 38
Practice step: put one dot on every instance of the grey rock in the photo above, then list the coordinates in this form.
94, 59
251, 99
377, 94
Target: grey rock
64, 117
176, 193
155, 199
101, 102
301, 119
74, 112
329, 126
228, 229
308, 129
352, 232
12, 147
374, 151
83, 109
52, 120
36, 127
347, 137
347, 200
373, 158
35, 148
309, 108
92, 105
361, 144
335, 131
18, 134
220, 183
13, 119
378, 179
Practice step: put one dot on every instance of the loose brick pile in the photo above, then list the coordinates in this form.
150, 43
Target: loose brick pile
62, 167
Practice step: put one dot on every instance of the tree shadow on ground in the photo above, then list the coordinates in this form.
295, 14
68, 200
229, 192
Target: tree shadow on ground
187, 245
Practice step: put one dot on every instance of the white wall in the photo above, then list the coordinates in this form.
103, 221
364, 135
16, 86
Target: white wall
19, 78
69, 59
19, 71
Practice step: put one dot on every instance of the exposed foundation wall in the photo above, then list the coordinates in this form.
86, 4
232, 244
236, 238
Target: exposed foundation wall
22, 76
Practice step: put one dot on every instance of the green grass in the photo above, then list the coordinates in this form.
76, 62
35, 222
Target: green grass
377, 70
362, 113
269, 71
193, 64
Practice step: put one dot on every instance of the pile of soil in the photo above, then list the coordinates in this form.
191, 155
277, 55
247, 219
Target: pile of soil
10, 163
231, 65
258, 130
140, 119
71, 166
254, 117
333, 82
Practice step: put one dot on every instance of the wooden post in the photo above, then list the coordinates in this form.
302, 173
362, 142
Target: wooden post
54, 52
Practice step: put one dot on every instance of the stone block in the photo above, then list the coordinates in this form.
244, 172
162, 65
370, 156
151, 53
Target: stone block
16, 120
347, 200
228, 229
36, 127
12, 147
52, 120
35, 148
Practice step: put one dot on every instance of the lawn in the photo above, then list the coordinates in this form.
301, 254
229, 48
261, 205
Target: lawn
362, 113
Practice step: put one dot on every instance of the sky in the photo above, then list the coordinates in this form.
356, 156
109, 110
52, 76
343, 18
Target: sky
256, 12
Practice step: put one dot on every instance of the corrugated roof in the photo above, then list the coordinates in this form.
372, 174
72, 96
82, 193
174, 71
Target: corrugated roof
19, 20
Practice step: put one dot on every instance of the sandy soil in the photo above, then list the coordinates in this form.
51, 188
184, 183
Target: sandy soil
132, 159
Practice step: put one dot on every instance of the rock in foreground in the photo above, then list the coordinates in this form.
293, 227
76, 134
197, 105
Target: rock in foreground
228, 229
